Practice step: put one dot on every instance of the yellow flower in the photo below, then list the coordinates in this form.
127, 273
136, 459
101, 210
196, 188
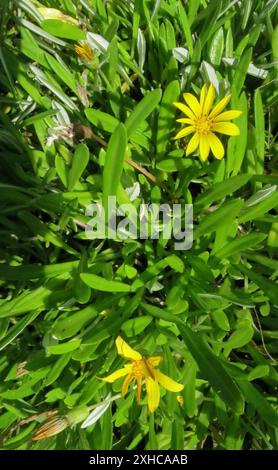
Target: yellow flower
54, 14
180, 400
141, 368
84, 51
204, 121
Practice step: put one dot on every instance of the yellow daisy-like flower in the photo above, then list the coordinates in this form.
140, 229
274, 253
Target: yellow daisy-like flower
203, 121
84, 51
141, 368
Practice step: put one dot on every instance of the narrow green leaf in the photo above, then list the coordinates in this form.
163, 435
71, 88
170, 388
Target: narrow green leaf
102, 120
64, 348
216, 47
185, 25
259, 131
257, 210
142, 110
64, 328
61, 70
211, 222
239, 338
64, 30
114, 163
240, 244
166, 117
15, 331
57, 369
107, 430
80, 160
270, 288
220, 190
241, 71
254, 397
99, 283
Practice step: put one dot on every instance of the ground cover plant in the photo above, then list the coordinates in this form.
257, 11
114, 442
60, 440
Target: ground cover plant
137, 343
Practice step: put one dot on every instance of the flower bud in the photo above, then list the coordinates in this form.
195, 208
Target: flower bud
77, 415
51, 427
54, 14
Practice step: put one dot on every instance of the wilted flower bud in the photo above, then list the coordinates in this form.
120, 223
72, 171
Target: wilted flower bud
54, 14
58, 424
51, 427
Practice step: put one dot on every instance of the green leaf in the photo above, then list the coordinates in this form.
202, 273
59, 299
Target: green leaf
255, 398
57, 369
135, 326
102, 120
183, 19
216, 47
221, 320
64, 30
79, 163
189, 392
238, 144
142, 110
114, 163
173, 164
107, 430
27, 272
166, 117
62, 169
240, 244
64, 348
220, 190
153, 444
99, 283
211, 222
15, 331
239, 338
254, 211
39, 228
269, 287
64, 328
258, 372
36, 299
259, 131
62, 71
241, 71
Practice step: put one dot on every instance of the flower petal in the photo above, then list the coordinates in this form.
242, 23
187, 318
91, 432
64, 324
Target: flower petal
126, 383
139, 388
220, 106
118, 373
155, 360
153, 394
209, 100
227, 115
185, 131
126, 351
187, 111
193, 144
193, 103
216, 146
167, 382
204, 148
203, 95
185, 120
227, 128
